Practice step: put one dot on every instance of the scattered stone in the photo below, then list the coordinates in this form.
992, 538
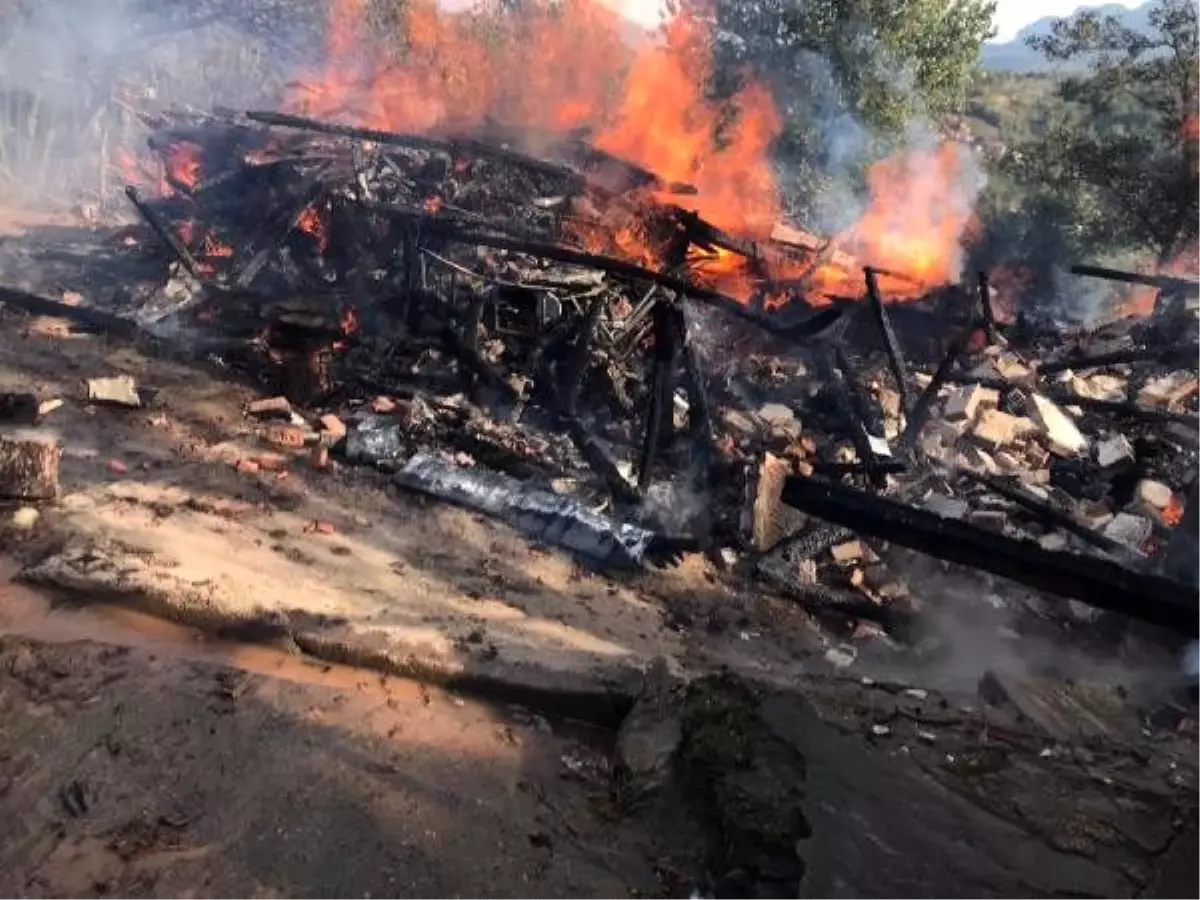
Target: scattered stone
847, 552
271, 406
1060, 432
995, 429
1168, 391
25, 518
319, 458
968, 400
120, 390
48, 406
649, 736
1130, 530
1012, 369
781, 420
880, 730
117, 467
947, 507
737, 423
1154, 493
841, 655
1114, 450
1093, 513
29, 466
1053, 542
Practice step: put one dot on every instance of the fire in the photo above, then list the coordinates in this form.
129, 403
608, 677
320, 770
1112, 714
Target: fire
1173, 514
913, 224
311, 222
183, 164
559, 65
213, 246
349, 321
1141, 300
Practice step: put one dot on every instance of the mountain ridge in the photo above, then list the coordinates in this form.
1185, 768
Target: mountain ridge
1017, 56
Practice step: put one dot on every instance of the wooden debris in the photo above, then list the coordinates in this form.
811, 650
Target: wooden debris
29, 466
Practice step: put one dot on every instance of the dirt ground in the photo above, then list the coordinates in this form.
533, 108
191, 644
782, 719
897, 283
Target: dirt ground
217, 681
131, 773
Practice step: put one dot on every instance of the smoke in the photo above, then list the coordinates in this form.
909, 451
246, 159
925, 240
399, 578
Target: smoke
74, 75
971, 623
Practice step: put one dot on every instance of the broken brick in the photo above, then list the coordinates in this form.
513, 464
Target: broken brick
332, 425
270, 406
286, 436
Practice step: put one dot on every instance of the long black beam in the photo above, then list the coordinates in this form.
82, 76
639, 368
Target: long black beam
1097, 582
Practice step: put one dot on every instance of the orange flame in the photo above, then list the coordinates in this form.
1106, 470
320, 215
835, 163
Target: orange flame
1173, 514
183, 164
564, 64
349, 320
312, 223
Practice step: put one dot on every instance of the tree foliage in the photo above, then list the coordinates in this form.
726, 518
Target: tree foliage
848, 75
1122, 151
887, 57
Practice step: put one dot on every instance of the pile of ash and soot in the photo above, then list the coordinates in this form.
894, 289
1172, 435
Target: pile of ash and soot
475, 323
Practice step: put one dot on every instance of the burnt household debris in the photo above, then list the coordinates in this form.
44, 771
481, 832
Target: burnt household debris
470, 317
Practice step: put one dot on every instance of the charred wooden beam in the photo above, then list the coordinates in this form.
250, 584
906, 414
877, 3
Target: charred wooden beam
797, 329
891, 345
580, 354
832, 375
590, 158
1175, 354
874, 468
455, 146
271, 235
987, 313
699, 407
82, 315
1051, 515
924, 405
660, 413
601, 463
165, 234
1095, 581
1124, 408
1163, 282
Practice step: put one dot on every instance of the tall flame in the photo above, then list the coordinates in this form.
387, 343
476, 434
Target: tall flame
563, 65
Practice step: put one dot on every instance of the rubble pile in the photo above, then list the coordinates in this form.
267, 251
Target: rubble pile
551, 340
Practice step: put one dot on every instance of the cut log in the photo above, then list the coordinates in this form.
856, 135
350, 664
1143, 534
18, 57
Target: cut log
29, 466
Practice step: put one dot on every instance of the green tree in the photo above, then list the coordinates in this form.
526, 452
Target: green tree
889, 58
1122, 152
848, 75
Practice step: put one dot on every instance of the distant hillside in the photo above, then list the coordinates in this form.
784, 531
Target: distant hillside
1017, 56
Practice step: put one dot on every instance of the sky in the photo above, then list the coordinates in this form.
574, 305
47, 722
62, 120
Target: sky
1011, 15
